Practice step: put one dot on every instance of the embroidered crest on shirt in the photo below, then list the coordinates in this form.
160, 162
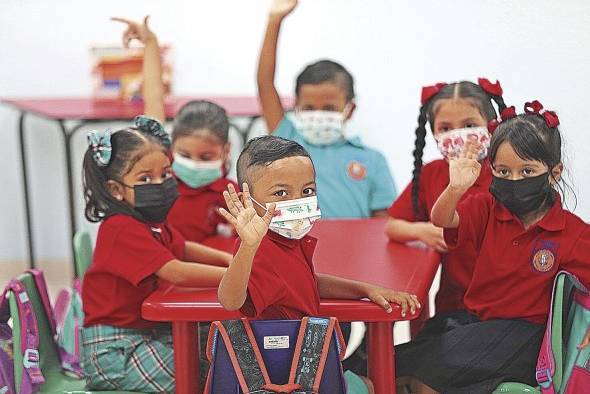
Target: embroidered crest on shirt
356, 170
544, 256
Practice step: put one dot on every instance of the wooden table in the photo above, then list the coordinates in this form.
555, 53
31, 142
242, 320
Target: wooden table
355, 249
86, 110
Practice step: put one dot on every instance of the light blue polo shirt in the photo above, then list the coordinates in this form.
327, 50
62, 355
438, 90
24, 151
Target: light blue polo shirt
352, 180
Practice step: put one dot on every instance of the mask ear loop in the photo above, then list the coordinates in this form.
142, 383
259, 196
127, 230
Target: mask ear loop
259, 204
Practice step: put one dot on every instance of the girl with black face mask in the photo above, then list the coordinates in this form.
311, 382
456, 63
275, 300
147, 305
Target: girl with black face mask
129, 189
523, 237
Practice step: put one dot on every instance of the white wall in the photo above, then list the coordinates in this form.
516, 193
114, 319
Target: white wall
537, 48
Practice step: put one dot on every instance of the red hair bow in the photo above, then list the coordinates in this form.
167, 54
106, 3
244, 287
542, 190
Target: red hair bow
429, 91
494, 89
536, 107
507, 113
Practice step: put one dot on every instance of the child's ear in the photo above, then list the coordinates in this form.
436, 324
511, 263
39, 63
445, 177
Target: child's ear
556, 173
351, 108
116, 190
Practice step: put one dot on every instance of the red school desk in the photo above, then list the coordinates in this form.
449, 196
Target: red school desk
356, 249
88, 110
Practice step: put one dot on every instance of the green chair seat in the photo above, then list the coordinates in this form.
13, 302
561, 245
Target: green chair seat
55, 381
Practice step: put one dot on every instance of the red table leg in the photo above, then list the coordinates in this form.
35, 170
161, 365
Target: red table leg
381, 357
186, 357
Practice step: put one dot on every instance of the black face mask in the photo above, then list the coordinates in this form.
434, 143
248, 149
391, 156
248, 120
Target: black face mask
524, 195
153, 201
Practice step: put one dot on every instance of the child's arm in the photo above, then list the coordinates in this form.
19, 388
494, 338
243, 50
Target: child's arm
153, 86
401, 230
206, 255
335, 287
270, 101
251, 228
463, 173
186, 274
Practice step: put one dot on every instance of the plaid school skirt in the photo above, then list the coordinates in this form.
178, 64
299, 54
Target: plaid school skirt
132, 360
458, 353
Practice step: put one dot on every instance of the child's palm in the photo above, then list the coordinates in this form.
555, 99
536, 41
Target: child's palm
250, 227
464, 170
282, 7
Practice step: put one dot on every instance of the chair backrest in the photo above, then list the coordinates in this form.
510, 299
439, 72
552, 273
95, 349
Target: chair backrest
82, 252
48, 355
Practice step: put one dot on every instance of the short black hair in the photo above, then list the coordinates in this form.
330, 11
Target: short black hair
198, 115
263, 151
326, 71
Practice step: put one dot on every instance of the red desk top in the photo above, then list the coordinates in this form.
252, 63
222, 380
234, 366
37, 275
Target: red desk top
355, 249
84, 108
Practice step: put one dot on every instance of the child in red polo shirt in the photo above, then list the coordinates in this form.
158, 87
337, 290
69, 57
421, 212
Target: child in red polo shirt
523, 237
454, 111
200, 147
129, 188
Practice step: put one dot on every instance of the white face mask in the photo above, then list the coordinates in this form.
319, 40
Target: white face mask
321, 127
450, 143
294, 218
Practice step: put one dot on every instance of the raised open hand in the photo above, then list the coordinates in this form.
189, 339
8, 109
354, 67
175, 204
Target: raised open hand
250, 227
135, 31
464, 169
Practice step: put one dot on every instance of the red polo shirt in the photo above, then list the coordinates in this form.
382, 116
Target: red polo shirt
515, 268
457, 267
194, 213
127, 254
282, 282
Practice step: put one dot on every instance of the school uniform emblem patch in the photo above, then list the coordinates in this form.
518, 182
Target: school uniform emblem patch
356, 170
543, 260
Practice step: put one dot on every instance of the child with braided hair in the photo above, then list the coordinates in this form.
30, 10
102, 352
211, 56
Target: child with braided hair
454, 111
523, 237
129, 189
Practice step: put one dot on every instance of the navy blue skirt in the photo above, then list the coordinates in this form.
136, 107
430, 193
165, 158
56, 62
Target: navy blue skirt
458, 353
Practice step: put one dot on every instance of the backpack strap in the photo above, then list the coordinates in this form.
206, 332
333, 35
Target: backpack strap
545, 369
29, 334
44, 295
244, 353
311, 351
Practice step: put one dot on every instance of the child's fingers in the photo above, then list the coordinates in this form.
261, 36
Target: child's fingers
246, 196
230, 204
403, 302
122, 20
270, 213
227, 216
235, 198
146, 20
383, 303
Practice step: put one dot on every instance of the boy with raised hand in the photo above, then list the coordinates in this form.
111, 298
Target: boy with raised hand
354, 180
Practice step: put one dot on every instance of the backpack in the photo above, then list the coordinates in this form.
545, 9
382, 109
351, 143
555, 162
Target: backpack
32, 377
69, 318
296, 357
561, 366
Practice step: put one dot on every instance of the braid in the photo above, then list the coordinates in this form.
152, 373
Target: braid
500, 103
418, 152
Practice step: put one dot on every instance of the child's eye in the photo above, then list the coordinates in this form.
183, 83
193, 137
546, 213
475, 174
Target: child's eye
310, 191
167, 174
528, 172
443, 129
469, 125
503, 172
145, 179
281, 193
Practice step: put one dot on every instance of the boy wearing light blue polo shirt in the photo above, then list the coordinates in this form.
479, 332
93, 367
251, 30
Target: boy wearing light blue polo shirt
353, 180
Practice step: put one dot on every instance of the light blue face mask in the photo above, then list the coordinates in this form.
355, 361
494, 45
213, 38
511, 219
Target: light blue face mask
197, 173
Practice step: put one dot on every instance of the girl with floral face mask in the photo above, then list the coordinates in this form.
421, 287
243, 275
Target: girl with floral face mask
456, 112
200, 148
